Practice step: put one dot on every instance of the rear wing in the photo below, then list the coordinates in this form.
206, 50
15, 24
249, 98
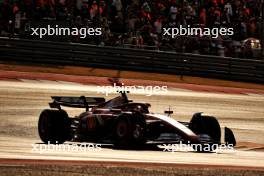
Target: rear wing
76, 102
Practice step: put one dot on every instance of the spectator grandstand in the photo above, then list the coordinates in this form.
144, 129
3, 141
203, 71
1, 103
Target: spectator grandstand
139, 23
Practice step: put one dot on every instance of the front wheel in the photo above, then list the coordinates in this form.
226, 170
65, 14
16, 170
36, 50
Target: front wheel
208, 131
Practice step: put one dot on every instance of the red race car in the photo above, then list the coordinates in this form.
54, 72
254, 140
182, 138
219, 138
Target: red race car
125, 123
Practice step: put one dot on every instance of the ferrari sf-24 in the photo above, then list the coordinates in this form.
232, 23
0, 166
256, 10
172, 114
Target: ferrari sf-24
125, 124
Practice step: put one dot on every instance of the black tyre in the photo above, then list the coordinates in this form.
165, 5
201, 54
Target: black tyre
138, 129
122, 132
130, 131
54, 126
208, 130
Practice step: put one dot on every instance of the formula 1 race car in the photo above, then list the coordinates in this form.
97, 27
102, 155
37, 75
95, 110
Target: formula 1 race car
125, 123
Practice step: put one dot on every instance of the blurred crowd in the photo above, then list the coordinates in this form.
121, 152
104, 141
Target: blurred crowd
140, 23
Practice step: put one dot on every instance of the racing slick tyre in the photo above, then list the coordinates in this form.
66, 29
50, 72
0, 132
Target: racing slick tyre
208, 130
54, 126
138, 130
122, 132
130, 131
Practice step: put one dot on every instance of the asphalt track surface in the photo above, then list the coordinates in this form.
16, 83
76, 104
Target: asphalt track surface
22, 101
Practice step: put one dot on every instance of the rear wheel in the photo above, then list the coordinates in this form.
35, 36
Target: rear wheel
54, 126
138, 129
129, 131
208, 130
122, 132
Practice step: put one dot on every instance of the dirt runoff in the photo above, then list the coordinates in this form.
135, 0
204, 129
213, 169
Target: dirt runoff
131, 75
